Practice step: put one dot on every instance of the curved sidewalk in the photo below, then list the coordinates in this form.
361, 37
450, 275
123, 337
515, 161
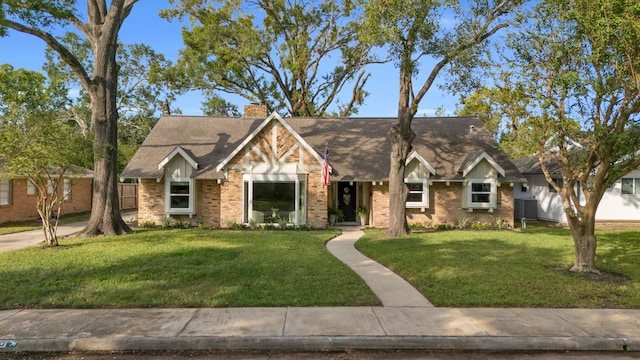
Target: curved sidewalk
391, 289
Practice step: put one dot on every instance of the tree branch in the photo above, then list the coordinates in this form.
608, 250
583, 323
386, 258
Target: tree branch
52, 42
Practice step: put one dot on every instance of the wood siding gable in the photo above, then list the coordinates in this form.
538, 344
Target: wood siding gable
273, 147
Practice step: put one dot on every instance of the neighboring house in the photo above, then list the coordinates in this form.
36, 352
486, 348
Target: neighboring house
621, 202
263, 168
18, 197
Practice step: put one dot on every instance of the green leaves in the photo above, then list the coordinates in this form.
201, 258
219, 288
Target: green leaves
577, 63
278, 53
33, 135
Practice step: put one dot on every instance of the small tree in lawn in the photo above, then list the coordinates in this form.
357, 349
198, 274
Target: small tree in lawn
578, 65
35, 144
413, 31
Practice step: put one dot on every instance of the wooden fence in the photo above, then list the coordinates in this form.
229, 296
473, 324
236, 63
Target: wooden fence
128, 196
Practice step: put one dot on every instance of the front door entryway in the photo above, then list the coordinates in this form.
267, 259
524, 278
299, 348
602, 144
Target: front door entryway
347, 200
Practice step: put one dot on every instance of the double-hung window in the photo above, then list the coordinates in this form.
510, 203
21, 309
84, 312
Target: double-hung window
631, 186
5, 192
482, 194
66, 187
31, 189
418, 193
179, 196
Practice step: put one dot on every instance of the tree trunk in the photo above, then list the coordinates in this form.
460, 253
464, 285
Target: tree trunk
584, 239
400, 136
105, 211
45, 204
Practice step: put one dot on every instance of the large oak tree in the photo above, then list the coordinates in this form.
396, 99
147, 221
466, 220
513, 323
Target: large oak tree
300, 57
142, 97
450, 34
100, 26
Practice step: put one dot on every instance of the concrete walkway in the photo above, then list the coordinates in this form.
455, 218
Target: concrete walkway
391, 289
321, 328
393, 326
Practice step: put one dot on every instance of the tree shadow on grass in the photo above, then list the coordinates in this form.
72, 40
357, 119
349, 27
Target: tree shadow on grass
504, 269
197, 272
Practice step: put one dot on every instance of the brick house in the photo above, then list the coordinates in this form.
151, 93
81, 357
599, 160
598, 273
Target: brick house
18, 197
259, 168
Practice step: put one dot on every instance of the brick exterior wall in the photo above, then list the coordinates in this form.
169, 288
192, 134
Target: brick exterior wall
445, 206
81, 197
150, 201
255, 110
231, 200
23, 206
317, 199
208, 202
380, 205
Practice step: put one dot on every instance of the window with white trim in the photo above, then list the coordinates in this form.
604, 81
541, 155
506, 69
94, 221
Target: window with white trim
66, 187
179, 196
31, 188
482, 193
270, 198
5, 192
50, 187
418, 193
630, 186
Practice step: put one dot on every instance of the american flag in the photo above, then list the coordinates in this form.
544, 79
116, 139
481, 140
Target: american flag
326, 178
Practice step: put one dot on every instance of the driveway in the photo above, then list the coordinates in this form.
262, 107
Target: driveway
24, 239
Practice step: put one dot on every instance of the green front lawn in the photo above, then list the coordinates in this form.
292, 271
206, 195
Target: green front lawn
20, 226
511, 268
182, 268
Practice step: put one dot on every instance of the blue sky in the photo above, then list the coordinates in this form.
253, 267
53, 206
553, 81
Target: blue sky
145, 26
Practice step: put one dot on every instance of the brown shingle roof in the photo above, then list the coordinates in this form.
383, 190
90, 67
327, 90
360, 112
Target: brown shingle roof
358, 147
531, 165
207, 139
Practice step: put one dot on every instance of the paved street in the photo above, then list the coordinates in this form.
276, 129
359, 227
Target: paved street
326, 355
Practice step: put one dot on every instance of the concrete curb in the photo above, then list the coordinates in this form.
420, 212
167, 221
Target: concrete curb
315, 343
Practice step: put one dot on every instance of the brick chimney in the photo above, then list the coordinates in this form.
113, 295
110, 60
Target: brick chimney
255, 110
